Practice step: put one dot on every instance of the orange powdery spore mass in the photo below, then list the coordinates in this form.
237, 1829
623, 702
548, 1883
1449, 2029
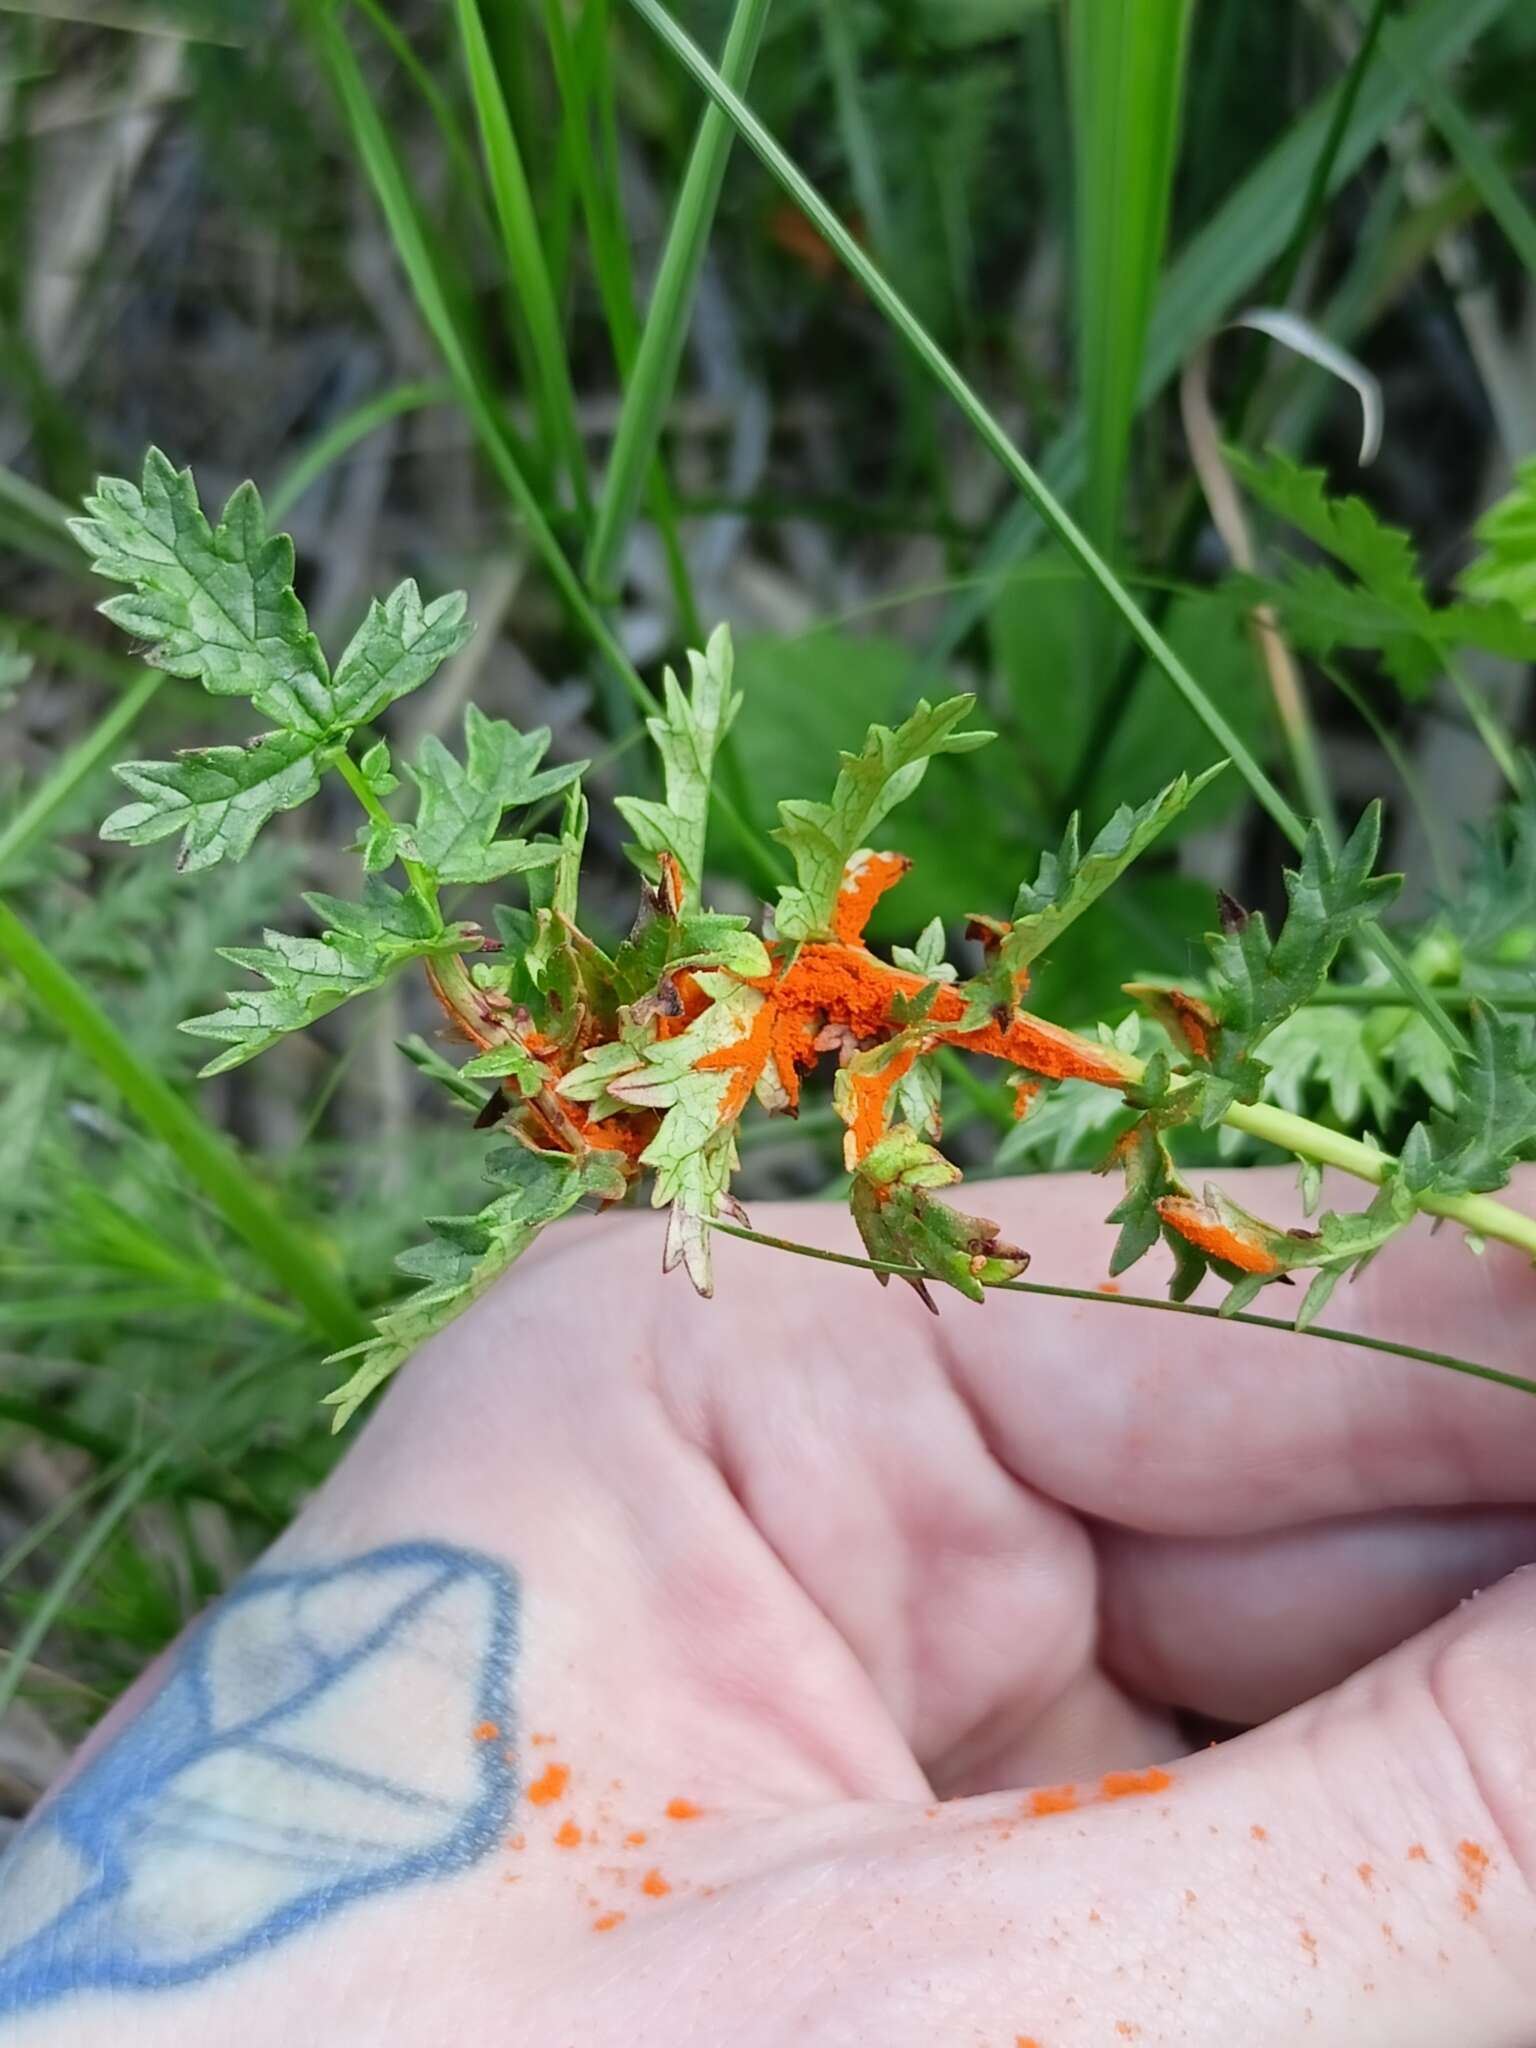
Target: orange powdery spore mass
1258, 1833
549, 1787
1053, 1799
654, 1885
683, 1809
1474, 1860
487, 1731
607, 1922
1417, 1853
1366, 1872
871, 1093
635, 1839
1203, 1227
1133, 1784
864, 883
1309, 1942
568, 1836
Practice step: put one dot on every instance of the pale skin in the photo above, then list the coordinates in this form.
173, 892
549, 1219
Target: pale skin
841, 1584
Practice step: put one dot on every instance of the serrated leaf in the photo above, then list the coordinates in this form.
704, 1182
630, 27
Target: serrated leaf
359, 947
399, 646
1328, 1049
214, 603
927, 956
218, 798
1150, 1176
701, 1080
1506, 568
1389, 609
687, 736
467, 1254
1071, 881
823, 838
460, 804
902, 1224
1471, 1148
1257, 982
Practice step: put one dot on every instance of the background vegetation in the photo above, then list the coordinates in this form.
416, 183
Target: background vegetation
482, 294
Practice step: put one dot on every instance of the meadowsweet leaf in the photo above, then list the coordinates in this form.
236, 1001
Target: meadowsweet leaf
694, 1150
359, 946
214, 603
467, 1253
399, 646
927, 956
1250, 1253
1257, 982
1328, 1049
460, 804
688, 735
1070, 881
1506, 568
1471, 1147
217, 798
902, 1224
1388, 609
823, 838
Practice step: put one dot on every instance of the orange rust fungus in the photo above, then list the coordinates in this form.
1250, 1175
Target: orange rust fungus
512, 1877
1109, 1287
1417, 1853
871, 1092
517, 1843
1133, 1784
1189, 1899
683, 1809
1196, 1020
863, 886
545, 1790
541, 1741
1094, 1917
1053, 1799
1468, 1902
1366, 1872
1025, 2041
654, 1885
568, 1836
635, 1839
487, 1731
607, 1923
1309, 1942
1474, 1859
1259, 1834
1203, 1227
1126, 2030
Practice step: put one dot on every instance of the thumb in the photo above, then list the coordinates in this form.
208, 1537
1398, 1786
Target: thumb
1358, 1872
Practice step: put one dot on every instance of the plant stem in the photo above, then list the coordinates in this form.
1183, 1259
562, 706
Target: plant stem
1448, 1361
421, 882
227, 1179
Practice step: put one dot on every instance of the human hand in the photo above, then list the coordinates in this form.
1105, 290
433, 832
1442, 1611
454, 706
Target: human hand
666, 1674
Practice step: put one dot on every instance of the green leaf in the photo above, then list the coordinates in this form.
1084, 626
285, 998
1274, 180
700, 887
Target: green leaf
467, 1254
1331, 1049
1389, 610
694, 1149
900, 1221
1150, 1175
1471, 1147
218, 798
359, 947
397, 648
1070, 881
927, 956
214, 603
1257, 982
824, 837
687, 737
1506, 568
460, 804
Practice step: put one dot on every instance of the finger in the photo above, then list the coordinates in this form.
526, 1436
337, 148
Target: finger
1242, 1628
1182, 1426
1358, 1873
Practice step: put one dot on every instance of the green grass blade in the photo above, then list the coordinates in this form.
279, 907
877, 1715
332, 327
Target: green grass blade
1126, 73
649, 391
858, 135
524, 253
343, 435
72, 768
1466, 143
210, 1160
1223, 260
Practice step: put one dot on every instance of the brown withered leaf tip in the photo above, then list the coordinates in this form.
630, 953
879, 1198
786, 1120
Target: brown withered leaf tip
1232, 914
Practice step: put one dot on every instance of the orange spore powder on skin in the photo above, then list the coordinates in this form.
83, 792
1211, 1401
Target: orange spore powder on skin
545, 1790
635, 1839
487, 1731
683, 1809
569, 1836
1309, 1942
1053, 1799
1474, 1859
1366, 1872
1259, 1834
607, 1923
654, 1885
1133, 1784
1418, 1853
